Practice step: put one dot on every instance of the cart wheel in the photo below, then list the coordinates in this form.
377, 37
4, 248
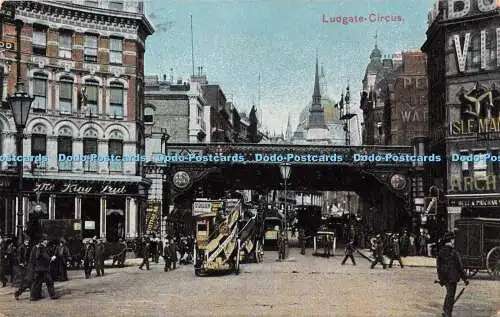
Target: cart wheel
237, 265
493, 262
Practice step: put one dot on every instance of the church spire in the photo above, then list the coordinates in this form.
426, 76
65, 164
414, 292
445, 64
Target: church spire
288, 134
316, 94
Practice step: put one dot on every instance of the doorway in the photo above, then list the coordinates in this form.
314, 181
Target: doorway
115, 220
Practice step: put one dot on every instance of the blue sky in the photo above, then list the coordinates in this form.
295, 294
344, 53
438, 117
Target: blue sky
234, 41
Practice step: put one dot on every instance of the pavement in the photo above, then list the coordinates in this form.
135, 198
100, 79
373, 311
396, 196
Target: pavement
303, 285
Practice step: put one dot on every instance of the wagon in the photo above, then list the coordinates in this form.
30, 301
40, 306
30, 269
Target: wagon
478, 241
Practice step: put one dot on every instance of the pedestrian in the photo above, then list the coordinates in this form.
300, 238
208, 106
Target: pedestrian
378, 252
42, 270
99, 258
3, 261
166, 256
173, 254
88, 258
349, 252
153, 249
450, 270
395, 254
146, 249
302, 241
120, 257
26, 270
62, 258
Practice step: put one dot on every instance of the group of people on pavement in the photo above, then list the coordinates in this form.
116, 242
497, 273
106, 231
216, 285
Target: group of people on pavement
173, 252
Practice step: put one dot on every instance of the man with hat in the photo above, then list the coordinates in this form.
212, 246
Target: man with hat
450, 270
88, 258
99, 257
23, 259
378, 252
42, 262
395, 253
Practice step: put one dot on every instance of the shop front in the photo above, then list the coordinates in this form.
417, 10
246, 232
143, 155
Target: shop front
8, 193
107, 209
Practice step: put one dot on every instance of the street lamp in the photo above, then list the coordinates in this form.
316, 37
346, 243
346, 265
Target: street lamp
285, 170
20, 103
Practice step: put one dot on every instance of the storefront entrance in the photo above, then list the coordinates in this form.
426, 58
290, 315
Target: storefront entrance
65, 207
115, 219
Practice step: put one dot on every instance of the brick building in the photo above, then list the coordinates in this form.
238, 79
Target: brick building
83, 62
464, 107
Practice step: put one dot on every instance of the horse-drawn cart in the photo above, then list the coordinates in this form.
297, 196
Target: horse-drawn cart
478, 241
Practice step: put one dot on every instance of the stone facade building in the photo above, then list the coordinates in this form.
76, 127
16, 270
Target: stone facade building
83, 62
463, 49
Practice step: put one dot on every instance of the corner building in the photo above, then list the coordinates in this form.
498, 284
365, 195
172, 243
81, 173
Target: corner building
83, 62
463, 49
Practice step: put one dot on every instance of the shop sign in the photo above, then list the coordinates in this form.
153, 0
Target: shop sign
75, 188
493, 202
476, 105
153, 216
181, 179
9, 46
485, 183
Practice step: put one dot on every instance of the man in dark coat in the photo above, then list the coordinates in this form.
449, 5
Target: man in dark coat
166, 256
62, 258
26, 270
3, 261
153, 249
349, 251
378, 252
99, 257
394, 251
173, 254
121, 257
450, 270
42, 270
146, 249
88, 258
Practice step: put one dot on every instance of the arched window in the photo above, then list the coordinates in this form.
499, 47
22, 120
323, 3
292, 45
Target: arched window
149, 113
90, 148
40, 92
116, 148
92, 97
39, 143
64, 148
116, 100
65, 95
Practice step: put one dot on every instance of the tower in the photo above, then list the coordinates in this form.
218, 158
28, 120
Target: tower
317, 129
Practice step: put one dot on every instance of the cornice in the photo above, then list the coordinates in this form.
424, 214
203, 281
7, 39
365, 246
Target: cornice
79, 18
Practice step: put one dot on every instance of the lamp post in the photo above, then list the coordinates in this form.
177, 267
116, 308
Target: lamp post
20, 104
285, 170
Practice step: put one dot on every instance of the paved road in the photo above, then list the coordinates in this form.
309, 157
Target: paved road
303, 286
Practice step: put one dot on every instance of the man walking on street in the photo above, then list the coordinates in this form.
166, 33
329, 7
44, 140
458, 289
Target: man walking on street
349, 251
378, 253
62, 257
450, 270
88, 258
42, 270
99, 258
166, 256
173, 254
394, 253
26, 270
146, 249
3, 262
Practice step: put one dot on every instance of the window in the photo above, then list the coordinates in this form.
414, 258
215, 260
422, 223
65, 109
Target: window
115, 51
89, 148
116, 149
65, 95
480, 167
90, 48
92, 97
39, 147
116, 100
39, 41
149, 113
116, 5
40, 92
64, 148
65, 44
91, 3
